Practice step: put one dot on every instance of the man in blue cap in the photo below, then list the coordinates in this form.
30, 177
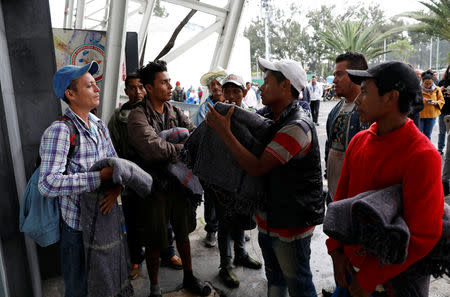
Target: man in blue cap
69, 180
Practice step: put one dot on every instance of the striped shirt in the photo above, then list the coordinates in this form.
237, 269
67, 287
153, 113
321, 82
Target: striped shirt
95, 144
290, 141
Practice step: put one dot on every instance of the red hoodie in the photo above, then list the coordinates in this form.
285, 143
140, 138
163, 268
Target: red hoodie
404, 156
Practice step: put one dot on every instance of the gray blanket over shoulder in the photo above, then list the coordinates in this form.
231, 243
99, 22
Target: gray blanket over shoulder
215, 166
183, 174
104, 240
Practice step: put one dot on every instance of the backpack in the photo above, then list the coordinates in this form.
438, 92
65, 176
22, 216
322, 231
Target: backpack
40, 215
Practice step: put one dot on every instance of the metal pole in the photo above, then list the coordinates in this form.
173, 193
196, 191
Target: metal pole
437, 54
15, 144
384, 60
227, 38
80, 14
431, 51
68, 14
266, 28
114, 52
143, 30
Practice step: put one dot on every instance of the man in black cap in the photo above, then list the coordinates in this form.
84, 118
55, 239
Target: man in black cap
392, 151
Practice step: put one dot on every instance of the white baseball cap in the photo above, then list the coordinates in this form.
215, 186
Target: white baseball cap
291, 69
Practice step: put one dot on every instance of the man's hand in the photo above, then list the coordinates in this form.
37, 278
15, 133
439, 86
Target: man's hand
221, 124
355, 289
341, 265
106, 173
107, 203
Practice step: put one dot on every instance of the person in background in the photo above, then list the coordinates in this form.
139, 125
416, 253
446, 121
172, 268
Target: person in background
212, 80
315, 94
343, 120
250, 98
433, 101
444, 84
178, 94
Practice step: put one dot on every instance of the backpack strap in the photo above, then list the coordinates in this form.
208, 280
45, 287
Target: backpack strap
74, 137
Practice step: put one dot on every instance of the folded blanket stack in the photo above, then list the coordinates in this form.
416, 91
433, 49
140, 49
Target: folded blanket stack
338, 222
383, 232
215, 166
103, 235
373, 220
184, 175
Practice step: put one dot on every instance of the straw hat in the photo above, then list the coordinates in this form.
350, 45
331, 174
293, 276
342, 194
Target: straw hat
215, 73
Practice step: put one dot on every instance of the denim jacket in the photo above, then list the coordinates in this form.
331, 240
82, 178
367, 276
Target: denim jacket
355, 126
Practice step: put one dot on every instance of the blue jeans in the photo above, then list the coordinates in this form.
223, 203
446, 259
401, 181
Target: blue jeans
287, 266
442, 133
73, 262
227, 231
426, 126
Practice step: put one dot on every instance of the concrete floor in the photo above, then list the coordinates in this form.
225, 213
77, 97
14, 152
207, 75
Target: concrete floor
253, 283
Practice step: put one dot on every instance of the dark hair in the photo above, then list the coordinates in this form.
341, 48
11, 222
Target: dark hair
313, 77
428, 74
233, 85
406, 99
148, 72
72, 86
129, 77
280, 77
445, 76
356, 61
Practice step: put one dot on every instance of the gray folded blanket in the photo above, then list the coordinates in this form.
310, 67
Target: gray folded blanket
213, 163
338, 222
383, 231
105, 244
374, 220
183, 174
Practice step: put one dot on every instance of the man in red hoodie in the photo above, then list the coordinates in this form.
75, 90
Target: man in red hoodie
392, 151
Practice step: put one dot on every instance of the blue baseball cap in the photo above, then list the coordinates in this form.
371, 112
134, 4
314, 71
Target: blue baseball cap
64, 76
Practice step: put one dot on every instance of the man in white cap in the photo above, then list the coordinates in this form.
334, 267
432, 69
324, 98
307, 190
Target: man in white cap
291, 164
69, 180
212, 80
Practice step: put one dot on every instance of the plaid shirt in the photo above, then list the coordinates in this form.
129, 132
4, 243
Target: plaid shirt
94, 146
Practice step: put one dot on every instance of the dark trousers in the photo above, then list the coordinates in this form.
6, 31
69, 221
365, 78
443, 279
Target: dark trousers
442, 133
73, 262
212, 224
229, 228
315, 104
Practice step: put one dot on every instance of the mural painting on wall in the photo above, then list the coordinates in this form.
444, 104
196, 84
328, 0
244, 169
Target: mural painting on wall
79, 47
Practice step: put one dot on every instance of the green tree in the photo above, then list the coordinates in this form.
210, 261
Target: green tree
348, 35
435, 21
401, 49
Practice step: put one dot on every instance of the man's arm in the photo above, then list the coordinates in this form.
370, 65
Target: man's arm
277, 153
54, 149
147, 143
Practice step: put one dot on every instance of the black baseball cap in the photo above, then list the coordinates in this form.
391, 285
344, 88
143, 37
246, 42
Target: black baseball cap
389, 76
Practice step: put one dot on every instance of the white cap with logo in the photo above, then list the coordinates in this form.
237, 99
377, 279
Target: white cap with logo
291, 69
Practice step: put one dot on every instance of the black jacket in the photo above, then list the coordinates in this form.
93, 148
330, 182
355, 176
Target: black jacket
295, 189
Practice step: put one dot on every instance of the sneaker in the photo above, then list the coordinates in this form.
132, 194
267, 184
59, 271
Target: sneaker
196, 286
210, 239
134, 271
228, 277
174, 263
248, 262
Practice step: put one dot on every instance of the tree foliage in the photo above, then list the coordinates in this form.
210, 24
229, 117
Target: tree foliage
160, 11
435, 21
354, 36
402, 49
